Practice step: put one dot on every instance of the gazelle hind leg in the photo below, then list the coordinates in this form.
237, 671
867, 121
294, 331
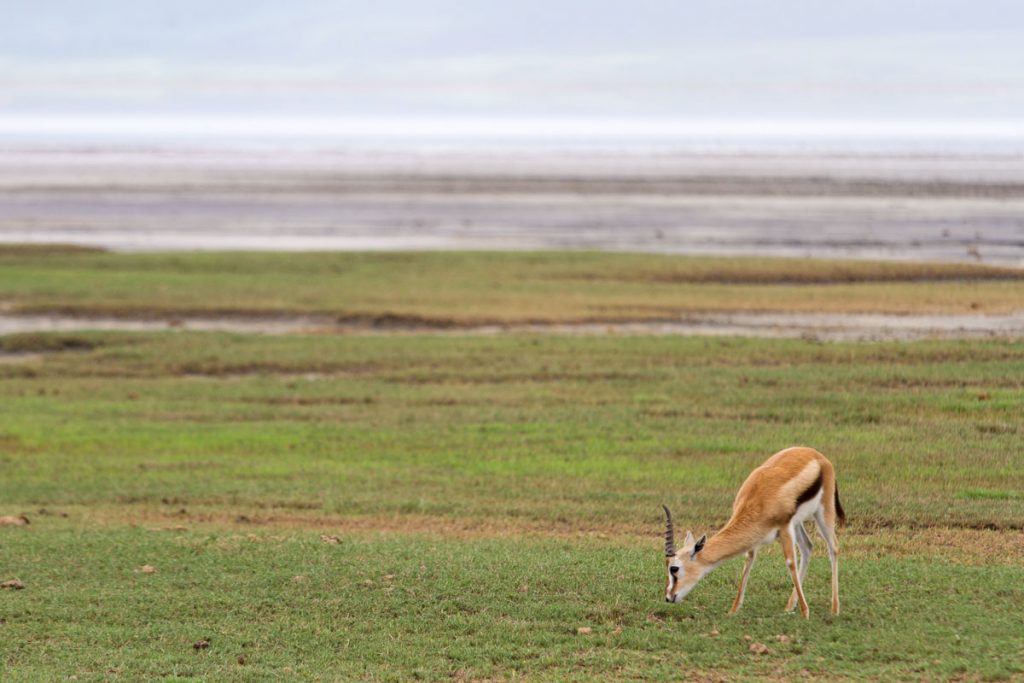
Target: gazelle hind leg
738, 602
786, 536
803, 544
828, 532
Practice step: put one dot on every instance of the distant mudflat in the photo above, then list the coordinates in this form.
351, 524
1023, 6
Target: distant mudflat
817, 326
939, 207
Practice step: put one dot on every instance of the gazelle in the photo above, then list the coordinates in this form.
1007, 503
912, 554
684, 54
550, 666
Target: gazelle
792, 486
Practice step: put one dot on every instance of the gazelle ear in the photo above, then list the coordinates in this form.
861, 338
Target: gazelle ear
700, 545
689, 540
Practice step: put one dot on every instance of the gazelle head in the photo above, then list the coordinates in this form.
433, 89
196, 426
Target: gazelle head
683, 566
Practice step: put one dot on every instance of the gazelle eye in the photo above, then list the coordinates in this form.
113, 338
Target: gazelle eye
674, 570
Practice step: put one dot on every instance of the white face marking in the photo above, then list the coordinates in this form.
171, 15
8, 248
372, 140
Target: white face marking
675, 564
689, 573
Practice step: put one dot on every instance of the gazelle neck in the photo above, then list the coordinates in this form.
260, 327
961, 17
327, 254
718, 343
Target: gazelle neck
725, 545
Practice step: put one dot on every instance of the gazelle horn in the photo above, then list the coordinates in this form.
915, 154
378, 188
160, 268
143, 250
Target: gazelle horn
670, 539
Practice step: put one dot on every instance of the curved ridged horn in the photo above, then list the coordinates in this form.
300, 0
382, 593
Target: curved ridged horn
670, 539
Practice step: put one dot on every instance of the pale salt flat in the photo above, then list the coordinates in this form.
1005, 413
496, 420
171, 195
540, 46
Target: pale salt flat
906, 205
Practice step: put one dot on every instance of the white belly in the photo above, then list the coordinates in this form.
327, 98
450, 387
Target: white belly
807, 509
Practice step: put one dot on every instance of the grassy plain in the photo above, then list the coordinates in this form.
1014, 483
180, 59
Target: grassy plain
467, 288
490, 496
406, 608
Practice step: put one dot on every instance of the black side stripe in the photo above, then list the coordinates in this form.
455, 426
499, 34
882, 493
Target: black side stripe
811, 491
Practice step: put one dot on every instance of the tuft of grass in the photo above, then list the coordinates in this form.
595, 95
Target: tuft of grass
32, 342
35, 251
989, 494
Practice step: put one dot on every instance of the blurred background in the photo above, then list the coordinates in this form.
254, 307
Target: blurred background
571, 71
652, 126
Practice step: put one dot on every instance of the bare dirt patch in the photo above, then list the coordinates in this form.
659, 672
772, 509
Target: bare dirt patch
14, 520
954, 545
54, 249
19, 343
836, 272
26, 329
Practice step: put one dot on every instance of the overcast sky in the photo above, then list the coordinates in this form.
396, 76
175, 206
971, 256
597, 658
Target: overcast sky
874, 59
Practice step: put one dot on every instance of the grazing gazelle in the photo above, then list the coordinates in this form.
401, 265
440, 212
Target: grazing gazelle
791, 487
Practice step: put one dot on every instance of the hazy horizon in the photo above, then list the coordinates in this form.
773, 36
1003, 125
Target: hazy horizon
938, 71
653, 135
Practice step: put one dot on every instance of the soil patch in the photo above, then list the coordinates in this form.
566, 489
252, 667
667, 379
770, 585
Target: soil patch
821, 326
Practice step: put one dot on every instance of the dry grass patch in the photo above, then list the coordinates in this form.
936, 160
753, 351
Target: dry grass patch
446, 290
962, 546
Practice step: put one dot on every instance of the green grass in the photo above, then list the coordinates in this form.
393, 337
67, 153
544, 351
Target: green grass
510, 489
987, 493
463, 288
411, 607
522, 427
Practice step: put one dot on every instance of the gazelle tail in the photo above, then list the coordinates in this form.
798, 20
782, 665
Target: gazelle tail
840, 514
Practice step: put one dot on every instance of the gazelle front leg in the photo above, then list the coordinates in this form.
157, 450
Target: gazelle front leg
738, 602
789, 551
803, 543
